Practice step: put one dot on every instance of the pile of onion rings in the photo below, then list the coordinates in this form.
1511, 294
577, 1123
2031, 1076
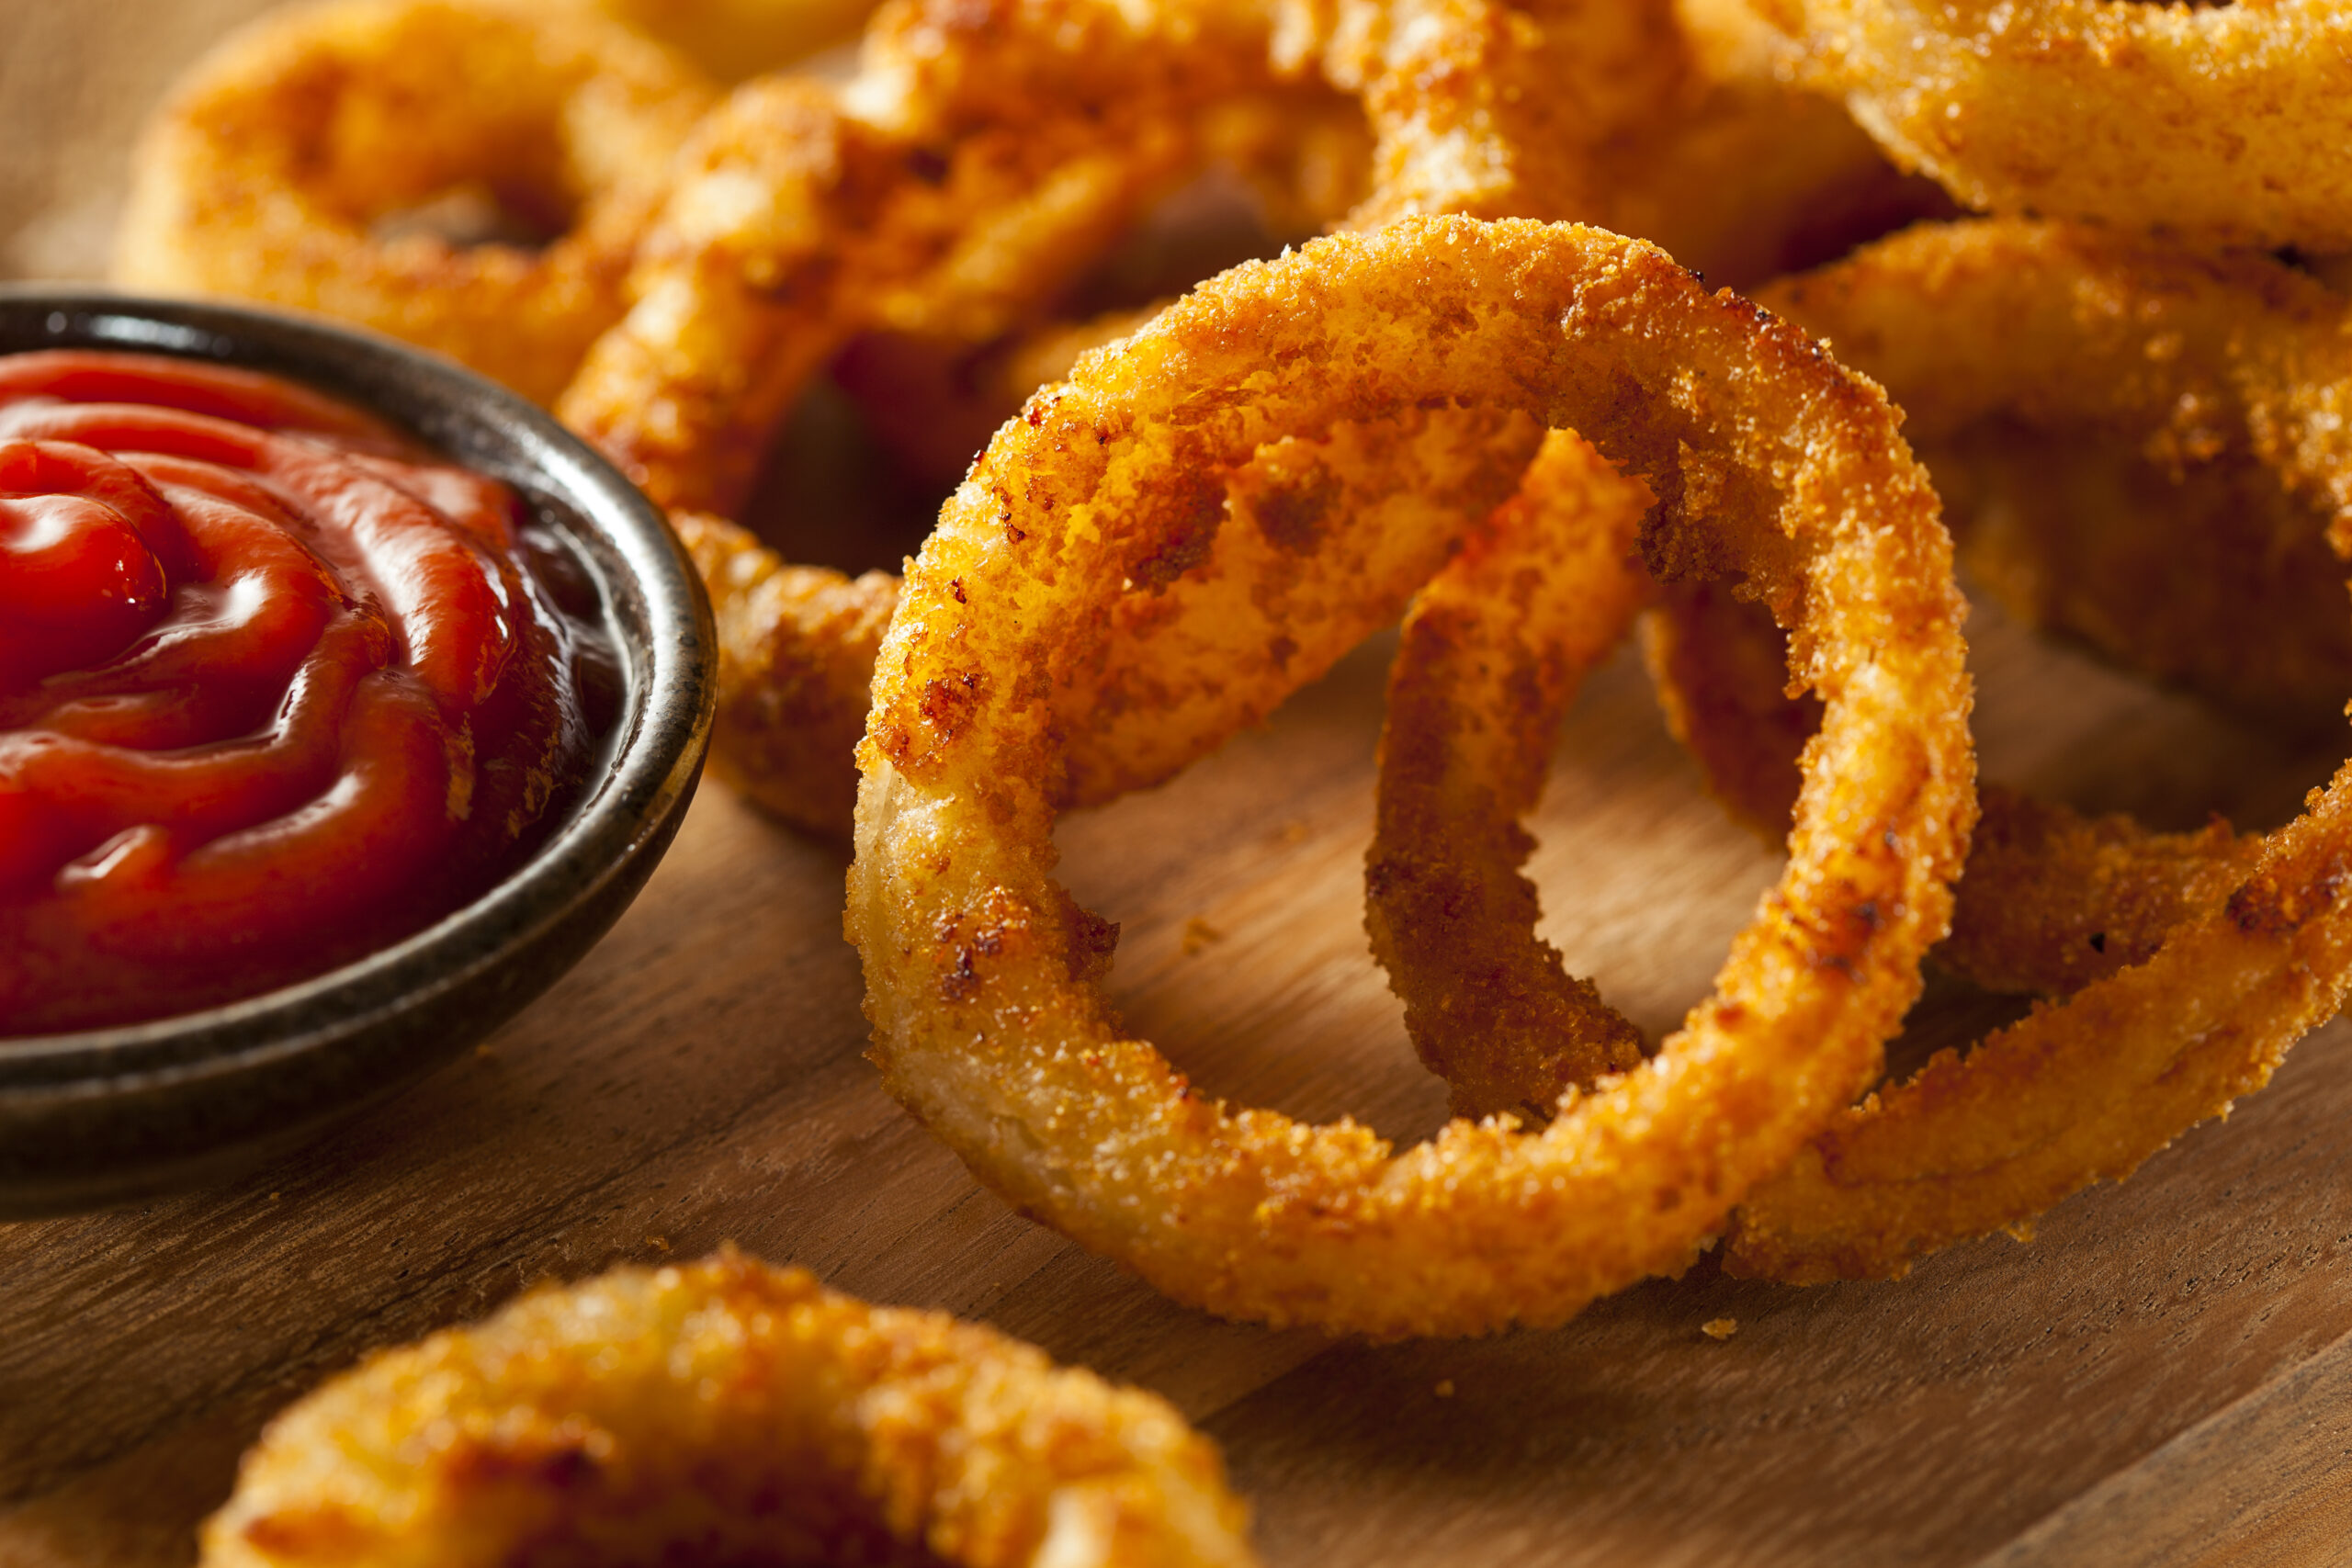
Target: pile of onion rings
726, 1412
2213, 955
2139, 430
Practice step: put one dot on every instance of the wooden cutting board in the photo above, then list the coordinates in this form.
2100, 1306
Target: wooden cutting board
2164, 1375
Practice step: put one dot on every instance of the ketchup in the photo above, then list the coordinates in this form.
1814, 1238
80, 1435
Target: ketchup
277, 688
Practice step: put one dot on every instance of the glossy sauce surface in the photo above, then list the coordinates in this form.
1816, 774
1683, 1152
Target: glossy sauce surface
278, 687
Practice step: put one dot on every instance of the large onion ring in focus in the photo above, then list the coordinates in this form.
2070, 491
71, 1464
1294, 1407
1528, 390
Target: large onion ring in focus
726, 1412
1769, 460
2222, 123
263, 176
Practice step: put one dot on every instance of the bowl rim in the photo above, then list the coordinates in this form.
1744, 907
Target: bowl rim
651, 763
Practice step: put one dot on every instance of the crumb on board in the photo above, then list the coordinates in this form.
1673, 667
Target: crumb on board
1720, 1328
1198, 934
1445, 1388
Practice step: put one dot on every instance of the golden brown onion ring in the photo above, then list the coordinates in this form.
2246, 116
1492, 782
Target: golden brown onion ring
2219, 123
2178, 558
2052, 901
2159, 518
985, 151
1769, 460
1492, 653
725, 1412
266, 174
795, 665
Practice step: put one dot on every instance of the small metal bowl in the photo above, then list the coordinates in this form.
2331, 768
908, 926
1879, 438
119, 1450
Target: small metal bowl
109, 1115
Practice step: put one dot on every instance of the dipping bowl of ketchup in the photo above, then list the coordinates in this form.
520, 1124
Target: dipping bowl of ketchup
345, 700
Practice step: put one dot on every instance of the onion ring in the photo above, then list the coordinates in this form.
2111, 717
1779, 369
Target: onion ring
725, 1412
1742, 175
960, 177
263, 174
2221, 123
1491, 654
1768, 459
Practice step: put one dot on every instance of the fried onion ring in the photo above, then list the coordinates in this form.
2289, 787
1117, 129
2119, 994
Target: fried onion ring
1769, 460
266, 173
725, 1412
1492, 653
2223, 122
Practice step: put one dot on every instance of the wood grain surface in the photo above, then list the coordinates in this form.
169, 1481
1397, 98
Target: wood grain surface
2162, 1376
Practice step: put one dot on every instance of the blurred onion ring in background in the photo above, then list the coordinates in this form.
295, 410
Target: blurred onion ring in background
309, 160
984, 154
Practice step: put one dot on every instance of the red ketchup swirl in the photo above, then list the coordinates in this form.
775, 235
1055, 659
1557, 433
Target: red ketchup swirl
276, 687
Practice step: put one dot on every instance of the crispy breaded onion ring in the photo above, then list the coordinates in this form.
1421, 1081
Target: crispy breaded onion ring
1493, 650
2154, 513
1769, 460
725, 1412
263, 176
2213, 954
2222, 122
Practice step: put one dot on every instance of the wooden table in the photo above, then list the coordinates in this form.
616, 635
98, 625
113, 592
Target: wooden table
2165, 1375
